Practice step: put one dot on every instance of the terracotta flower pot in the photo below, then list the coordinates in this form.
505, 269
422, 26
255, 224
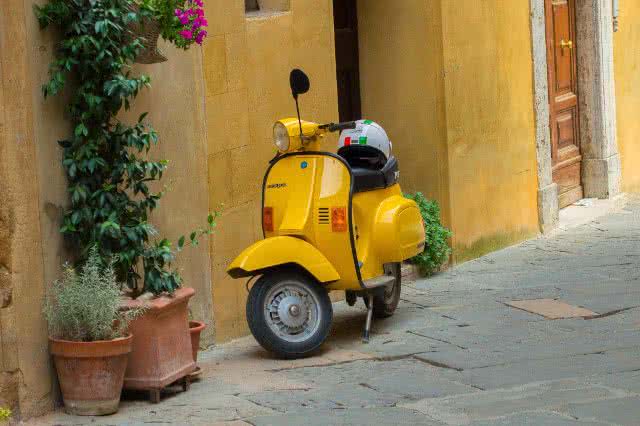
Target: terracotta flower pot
91, 374
161, 351
195, 328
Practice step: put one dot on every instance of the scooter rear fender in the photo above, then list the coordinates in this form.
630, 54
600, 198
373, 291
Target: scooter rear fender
278, 251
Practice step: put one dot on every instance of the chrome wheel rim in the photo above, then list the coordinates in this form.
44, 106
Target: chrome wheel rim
292, 311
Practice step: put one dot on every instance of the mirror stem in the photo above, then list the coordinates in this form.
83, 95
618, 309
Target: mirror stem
299, 119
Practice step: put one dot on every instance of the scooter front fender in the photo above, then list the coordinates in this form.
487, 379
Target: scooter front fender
277, 251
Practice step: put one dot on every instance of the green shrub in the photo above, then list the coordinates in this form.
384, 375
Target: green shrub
437, 250
85, 306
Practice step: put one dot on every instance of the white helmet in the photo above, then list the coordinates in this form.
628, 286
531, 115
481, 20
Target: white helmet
366, 134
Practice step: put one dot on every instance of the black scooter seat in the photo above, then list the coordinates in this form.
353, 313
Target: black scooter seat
369, 169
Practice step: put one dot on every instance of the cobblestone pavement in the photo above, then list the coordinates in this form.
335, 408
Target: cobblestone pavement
454, 353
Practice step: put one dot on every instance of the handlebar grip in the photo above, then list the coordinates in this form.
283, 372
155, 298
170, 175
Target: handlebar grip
336, 127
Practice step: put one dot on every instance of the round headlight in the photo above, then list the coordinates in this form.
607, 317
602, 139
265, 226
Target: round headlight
281, 136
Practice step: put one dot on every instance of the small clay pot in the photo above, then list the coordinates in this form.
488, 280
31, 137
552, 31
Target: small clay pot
195, 328
91, 374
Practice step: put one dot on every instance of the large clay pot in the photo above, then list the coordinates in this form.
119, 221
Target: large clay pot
91, 374
195, 328
161, 351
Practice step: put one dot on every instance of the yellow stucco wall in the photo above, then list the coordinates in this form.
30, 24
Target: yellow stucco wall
627, 76
490, 124
25, 375
455, 92
247, 60
33, 192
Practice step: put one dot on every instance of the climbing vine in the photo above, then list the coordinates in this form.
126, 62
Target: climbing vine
107, 161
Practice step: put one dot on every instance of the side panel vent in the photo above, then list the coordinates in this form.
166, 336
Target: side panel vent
323, 216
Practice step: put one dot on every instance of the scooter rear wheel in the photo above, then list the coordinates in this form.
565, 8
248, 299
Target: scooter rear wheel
385, 302
289, 314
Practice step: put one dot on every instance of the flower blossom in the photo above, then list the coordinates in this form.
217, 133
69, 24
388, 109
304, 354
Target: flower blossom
186, 34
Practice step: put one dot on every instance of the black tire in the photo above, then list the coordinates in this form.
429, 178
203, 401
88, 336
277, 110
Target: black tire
260, 326
385, 302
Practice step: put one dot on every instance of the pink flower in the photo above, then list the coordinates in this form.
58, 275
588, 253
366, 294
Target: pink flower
177, 12
184, 20
200, 12
201, 35
186, 34
199, 3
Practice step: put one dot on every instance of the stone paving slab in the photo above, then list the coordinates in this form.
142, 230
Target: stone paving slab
629, 382
335, 397
463, 409
522, 372
409, 378
536, 419
619, 411
351, 416
551, 308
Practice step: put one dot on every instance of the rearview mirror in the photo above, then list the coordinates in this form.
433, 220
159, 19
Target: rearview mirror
299, 83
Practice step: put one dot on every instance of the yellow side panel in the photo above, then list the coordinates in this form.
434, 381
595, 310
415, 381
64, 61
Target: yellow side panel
277, 251
389, 229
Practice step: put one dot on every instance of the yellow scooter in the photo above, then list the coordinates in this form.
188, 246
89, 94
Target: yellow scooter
331, 222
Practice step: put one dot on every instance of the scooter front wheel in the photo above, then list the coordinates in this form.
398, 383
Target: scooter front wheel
289, 314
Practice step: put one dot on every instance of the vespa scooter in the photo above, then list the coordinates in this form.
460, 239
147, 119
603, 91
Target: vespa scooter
331, 222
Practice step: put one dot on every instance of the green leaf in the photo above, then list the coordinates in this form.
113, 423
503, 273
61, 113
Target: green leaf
81, 130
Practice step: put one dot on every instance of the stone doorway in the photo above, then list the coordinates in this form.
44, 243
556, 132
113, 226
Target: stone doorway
600, 170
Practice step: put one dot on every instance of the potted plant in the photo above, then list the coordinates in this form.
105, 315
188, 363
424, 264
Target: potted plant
181, 22
112, 175
88, 337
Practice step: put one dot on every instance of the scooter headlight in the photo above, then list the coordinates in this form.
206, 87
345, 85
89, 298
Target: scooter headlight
281, 136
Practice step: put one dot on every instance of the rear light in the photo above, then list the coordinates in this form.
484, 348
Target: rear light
267, 219
338, 219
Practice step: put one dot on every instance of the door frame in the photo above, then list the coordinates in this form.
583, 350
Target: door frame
597, 106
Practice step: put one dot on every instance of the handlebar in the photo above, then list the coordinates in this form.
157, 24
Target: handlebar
337, 127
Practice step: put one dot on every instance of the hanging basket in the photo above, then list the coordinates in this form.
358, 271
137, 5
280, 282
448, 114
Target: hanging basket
148, 30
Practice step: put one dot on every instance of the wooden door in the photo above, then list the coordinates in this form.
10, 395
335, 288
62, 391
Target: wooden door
345, 18
563, 97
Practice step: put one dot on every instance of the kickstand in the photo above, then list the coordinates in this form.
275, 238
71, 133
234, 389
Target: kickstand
367, 325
